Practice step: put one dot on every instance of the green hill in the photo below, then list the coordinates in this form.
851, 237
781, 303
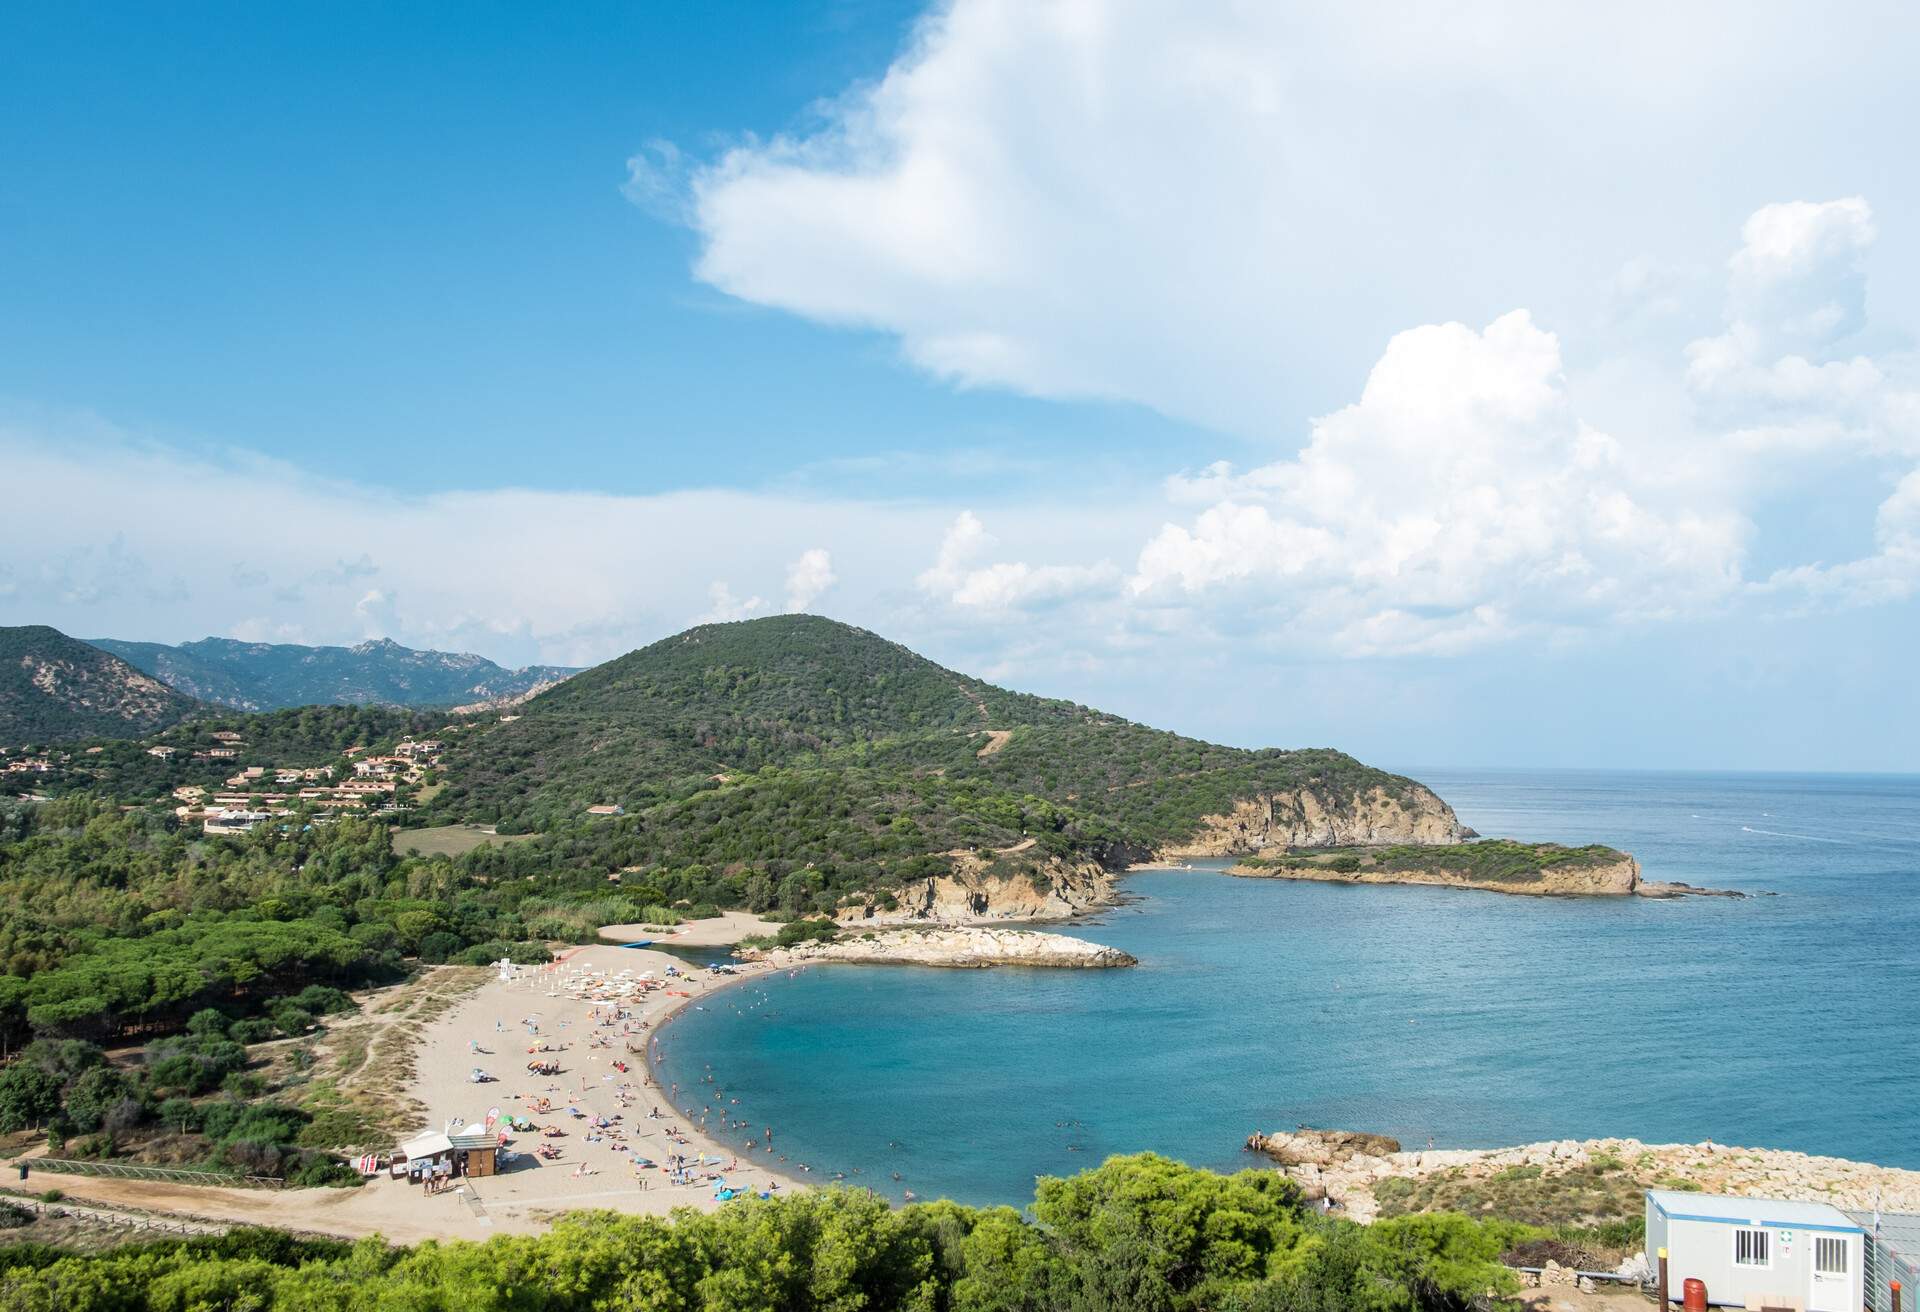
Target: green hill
58, 689
798, 743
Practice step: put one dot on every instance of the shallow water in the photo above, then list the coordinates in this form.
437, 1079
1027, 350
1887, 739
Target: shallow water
1471, 1019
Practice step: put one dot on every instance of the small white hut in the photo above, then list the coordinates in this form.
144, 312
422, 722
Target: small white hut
1757, 1252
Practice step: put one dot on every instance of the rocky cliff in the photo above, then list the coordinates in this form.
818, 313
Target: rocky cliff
1308, 818
965, 948
973, 891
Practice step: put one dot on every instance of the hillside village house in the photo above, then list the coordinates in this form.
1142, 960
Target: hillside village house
234, 822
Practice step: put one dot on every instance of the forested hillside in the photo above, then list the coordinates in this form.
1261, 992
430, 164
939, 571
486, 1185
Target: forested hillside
709, 710
56, 689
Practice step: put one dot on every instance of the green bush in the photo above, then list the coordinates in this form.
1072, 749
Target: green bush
1138, 1234
254, 1029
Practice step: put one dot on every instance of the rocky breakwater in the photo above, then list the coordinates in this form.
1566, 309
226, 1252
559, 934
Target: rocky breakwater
1407, 812
960, 947
1366, 1174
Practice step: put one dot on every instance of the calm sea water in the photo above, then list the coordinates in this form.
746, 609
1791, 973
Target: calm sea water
1471, 1019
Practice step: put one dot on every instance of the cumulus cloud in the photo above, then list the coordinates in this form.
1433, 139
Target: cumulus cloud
1213, 208
724, 608
808, 578
959, 577
1798, 280
1460, 500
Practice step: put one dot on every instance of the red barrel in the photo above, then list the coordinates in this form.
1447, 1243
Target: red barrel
1693, 1295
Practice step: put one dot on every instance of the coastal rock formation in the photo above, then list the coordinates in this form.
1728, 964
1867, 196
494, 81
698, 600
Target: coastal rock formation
1665, 889
964, 947
1321, 1148
1306, 818
1330, 1164
972, 892
1602, 879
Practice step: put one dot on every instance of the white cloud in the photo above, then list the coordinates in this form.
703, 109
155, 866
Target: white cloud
808, 578
125, 539
959, 579
657, 181
724, 608
1797, 278
1890, 574
1460, 501
378, 613
1214, 208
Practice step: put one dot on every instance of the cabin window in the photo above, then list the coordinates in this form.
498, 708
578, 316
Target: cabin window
1829, 1256
1750, 1247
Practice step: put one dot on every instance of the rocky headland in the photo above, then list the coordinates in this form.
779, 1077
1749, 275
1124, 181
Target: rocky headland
979, 887
1368, 1175
1307, 817
1612, 876
1491, 865
964, 947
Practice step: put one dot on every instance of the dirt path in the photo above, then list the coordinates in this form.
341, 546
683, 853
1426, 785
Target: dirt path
996, 739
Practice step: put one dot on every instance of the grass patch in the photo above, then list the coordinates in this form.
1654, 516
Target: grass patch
450, 840
1593, 1194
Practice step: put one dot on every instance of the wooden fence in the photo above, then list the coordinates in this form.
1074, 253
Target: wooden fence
167, 1174
109, 1216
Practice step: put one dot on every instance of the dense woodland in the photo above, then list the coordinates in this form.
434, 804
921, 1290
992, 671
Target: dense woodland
1139, 1234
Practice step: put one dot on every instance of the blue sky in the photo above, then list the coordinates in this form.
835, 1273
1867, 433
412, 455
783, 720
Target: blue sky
1502, 386
396, 242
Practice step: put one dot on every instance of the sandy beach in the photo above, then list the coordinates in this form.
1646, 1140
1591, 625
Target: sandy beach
622, 1163
492, 1027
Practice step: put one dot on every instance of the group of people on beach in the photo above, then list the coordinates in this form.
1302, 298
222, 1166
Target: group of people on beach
610, 1023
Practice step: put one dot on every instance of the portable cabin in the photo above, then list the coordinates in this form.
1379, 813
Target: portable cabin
1757, 1252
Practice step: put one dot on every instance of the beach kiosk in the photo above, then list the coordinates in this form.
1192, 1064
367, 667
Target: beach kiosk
1757, 1252
474, 1150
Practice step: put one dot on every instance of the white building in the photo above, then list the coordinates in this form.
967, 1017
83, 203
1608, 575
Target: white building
1757, 1252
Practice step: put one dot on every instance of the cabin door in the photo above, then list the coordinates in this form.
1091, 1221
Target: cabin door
1832, 1273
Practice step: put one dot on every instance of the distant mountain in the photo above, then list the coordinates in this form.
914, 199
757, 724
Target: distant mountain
259, 676
56, 688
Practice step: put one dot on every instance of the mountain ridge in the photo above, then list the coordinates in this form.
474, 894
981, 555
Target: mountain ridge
260, 676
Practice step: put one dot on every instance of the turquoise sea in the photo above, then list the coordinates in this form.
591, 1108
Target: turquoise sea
1471, 1019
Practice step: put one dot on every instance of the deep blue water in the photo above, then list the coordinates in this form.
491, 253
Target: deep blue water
1473, 1019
